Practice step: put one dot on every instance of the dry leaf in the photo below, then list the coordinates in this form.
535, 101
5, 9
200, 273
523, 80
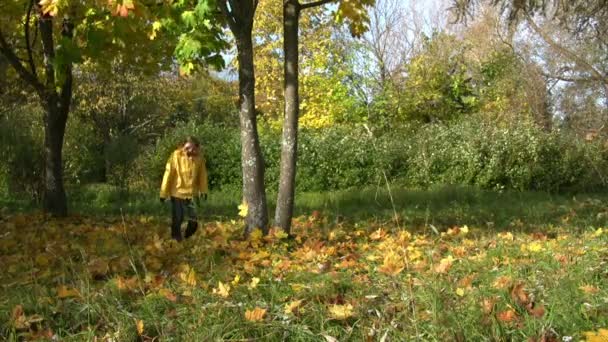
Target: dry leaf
444, 265
340, 312
589, 289
507, 316
519, 295
67, 292
255, 315
393, 264
140, 327
222, 290
291, 306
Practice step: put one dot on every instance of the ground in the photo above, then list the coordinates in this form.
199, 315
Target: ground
383, 278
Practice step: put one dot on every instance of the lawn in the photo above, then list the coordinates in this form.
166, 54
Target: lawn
445, 264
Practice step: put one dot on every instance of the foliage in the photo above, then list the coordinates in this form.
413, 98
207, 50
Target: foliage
466, 152
324, 97
21, 150
122, 279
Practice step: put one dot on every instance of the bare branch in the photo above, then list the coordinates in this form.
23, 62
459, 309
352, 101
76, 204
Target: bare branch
12, 58
28, 43
315, 3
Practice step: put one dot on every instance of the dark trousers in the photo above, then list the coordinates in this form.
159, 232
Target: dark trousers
181, 208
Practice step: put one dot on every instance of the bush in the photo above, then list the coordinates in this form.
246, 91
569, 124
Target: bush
468, 152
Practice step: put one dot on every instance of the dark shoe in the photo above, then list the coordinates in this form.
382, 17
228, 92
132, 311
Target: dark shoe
191, 229
176, 233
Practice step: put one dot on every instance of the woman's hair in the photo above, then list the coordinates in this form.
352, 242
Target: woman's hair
192, 140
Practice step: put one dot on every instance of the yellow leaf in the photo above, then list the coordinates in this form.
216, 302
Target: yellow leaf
188, 275
243, 209
255, 315
600, 336
444, 265
393, 264
598, 232
222, 290
460, 291
49, 7
168, 294
340, 312
290, 307
140, 327
67, 292
236, 280
254, 283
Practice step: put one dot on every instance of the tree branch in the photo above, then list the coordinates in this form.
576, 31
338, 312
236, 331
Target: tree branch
228, 15
315, 3
28, 44
571, 55
21, 70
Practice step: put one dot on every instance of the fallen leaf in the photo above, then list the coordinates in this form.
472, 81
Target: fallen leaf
507, 316
222, 290
67, 292
255, 315
536, 310
253, 283
340, 312
243, 209
291, 306
168, 294
140, 327
444, 265
589, 289
519, 295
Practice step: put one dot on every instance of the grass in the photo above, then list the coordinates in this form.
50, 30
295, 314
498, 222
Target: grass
456, 264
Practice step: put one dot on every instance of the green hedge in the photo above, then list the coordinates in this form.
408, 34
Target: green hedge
470, 152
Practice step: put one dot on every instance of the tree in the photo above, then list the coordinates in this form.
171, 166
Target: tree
584, 20
240, 15
87, 28
52, 84
355, 13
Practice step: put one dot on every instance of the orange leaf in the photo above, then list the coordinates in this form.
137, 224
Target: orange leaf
507, 316
519, 295
444, 265
537, 311
589, 289
255, 315
168, 294
487, 305
67, 292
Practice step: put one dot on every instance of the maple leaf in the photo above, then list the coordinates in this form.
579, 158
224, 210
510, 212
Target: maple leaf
139, 324
291, 306
378, 234
253, 283
444, 265
600, 336
127, 284
589, 289
222, 290
507, 316
537, 311
487, 305
67, 292
255, 315
49, 7
243, 209
168, 294
393, 264
340, 312
188, 275
519, 295
460, 291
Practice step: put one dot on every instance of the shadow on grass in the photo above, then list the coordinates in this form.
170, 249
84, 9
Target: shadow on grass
439, 207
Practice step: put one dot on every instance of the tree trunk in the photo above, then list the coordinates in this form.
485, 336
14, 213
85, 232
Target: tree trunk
55, 119
289, 142
251, 153
57, 105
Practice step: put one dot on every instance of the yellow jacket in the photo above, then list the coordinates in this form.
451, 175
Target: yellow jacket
185, 177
